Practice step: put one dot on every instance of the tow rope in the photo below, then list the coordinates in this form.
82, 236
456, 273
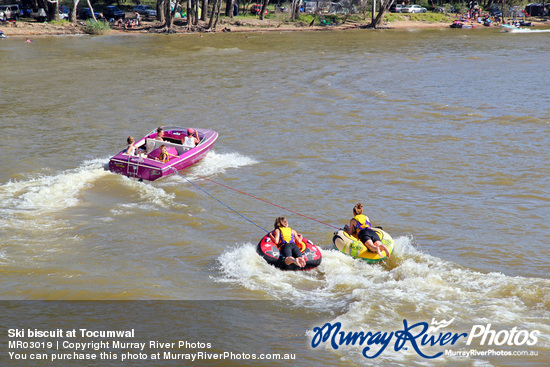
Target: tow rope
218, 200
244, 193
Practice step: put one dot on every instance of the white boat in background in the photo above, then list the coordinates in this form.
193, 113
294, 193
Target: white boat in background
510, 28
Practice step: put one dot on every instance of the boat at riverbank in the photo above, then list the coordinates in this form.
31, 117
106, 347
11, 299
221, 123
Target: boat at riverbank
509, 28
146, 166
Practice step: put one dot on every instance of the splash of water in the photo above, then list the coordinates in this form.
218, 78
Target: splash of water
413, 285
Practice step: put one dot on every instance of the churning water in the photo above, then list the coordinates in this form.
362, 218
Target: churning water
443, 135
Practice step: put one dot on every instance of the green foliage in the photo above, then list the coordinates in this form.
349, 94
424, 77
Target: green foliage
433, 17
98, 5
306, 18
423, 3
98, 27
461, 8
60, 22
422, 17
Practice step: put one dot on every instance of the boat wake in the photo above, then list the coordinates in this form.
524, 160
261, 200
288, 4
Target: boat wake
215, 163
527, 30
46, 194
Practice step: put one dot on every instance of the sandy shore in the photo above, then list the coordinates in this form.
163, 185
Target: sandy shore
32, 28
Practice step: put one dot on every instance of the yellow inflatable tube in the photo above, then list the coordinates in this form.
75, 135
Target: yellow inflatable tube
351, 246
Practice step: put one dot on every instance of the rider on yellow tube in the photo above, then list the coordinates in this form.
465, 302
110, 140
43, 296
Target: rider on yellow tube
359, 227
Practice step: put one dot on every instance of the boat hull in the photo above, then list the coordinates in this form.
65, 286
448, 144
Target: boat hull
509, 28
144, 167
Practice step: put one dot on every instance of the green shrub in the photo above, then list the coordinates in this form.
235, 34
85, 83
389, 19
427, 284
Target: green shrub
98, 27
60, 22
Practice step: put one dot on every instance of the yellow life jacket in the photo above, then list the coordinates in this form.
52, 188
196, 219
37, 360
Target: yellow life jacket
288, 237
163, 157
361, 222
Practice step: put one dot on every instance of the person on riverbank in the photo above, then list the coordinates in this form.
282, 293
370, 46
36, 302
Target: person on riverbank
360, 228
287, 239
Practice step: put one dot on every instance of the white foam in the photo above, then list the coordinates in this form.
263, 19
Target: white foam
379, 296
242, 265
151, 194
50, 193
527, 30
3, 256
215, 163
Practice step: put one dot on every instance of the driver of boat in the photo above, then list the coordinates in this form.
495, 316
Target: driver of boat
160, 134
192, 138
286, 239
360, 227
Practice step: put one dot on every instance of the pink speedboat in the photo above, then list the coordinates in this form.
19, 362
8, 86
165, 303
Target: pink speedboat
144, 164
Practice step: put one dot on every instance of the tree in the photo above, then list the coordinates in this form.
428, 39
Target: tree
384, 6
229, 8
51, 7
92, 10
264, 6
295, 9
72, 14
216, 8
161, 4
204, 7
170, 14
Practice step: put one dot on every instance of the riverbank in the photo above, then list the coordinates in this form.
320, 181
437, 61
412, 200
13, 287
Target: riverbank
33, 28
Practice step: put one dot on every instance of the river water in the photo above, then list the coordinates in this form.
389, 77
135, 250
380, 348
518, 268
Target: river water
442, 134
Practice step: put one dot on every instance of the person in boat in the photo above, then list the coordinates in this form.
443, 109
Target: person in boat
160, 134
192, 138
164, 156
360, 227
287, 239
131, 148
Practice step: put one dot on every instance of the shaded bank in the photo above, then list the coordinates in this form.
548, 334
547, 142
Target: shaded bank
23, 28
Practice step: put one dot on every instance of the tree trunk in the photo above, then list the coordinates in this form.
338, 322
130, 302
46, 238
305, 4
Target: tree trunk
204, 12
189, 14
213, 14
92, 10
170, 14
74, 5
52, 10
217, 14
264, 6
384, 6
160, 11
167, 16
229, 8
293, 9
51, 7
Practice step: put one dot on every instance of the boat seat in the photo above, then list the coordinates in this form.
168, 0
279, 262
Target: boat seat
153, 144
